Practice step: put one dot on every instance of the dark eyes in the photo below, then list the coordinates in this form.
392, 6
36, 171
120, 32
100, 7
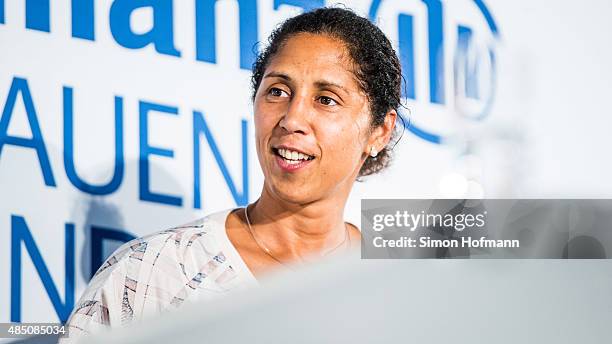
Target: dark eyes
327, 101
279, 93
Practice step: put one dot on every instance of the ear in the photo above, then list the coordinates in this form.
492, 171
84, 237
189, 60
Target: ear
380, 136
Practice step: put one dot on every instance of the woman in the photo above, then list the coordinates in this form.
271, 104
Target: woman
325, 94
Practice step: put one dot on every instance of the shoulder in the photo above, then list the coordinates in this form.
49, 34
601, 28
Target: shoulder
171, 257
156, 273
196, 239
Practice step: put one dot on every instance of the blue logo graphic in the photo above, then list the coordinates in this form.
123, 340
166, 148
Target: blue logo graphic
474, 72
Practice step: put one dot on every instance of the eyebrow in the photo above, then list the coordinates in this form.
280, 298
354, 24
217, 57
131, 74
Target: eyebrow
277, 75
325, 84
319, 83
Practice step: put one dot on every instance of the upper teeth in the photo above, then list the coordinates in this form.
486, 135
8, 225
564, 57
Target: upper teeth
292, 155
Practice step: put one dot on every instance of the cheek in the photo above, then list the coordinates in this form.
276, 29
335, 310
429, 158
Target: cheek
343, 144
264, 122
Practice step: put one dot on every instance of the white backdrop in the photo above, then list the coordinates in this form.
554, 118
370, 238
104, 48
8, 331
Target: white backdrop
544, 135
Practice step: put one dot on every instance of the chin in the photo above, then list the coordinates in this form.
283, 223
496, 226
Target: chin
291, 194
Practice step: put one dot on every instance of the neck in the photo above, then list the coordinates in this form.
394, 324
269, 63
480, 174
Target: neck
299, 230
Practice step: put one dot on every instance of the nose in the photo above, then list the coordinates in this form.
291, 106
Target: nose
296, 119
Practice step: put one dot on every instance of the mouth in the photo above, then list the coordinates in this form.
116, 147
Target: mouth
291, 160
292, 156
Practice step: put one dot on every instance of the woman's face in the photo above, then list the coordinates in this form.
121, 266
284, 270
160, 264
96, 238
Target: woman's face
311, 120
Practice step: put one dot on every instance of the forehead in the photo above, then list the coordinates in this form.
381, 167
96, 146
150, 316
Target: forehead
314, 55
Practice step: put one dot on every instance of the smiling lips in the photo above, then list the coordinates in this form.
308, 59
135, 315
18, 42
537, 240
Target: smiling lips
290, 161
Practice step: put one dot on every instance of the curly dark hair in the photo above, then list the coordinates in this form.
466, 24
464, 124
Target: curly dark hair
378, 69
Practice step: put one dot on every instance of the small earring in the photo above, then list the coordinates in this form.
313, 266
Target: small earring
373, 152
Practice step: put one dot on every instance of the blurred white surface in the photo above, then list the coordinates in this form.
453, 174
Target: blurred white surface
408, 301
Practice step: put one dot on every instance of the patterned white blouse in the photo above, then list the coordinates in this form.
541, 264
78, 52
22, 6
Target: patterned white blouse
158, 273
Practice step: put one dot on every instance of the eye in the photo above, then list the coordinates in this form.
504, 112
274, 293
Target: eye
277, 92
328, 101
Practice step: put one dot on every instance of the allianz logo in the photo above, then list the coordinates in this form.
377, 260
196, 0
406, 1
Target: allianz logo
448, 54
447, 48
